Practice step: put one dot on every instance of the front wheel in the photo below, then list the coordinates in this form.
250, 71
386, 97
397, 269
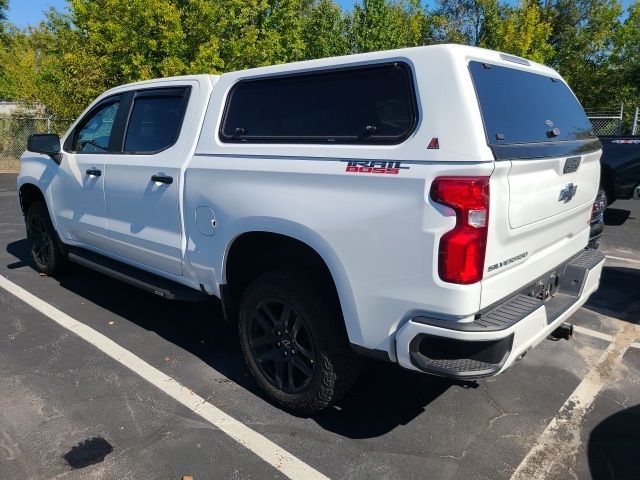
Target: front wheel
294, 340
44, 244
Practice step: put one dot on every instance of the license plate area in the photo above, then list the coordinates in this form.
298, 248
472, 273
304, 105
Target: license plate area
545, 287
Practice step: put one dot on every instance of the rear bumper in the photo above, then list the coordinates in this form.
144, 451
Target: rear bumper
496, 338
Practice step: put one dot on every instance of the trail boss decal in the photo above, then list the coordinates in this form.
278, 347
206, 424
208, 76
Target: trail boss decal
374, 166
506, 262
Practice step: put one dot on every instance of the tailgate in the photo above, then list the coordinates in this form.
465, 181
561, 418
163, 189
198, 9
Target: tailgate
540, 189
546, 177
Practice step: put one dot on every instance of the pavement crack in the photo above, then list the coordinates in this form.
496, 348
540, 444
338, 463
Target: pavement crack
455, 457
133, 415
502, 413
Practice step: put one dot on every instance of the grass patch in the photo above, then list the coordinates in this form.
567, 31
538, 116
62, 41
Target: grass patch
9, 165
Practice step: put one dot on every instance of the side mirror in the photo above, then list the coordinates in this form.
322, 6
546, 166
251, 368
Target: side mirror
47, 143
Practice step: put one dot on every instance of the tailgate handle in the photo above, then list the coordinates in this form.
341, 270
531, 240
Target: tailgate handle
571, 164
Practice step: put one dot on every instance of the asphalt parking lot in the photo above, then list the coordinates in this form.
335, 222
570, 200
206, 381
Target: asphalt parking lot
569, 409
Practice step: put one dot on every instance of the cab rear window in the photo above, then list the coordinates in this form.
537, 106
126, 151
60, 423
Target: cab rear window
520, 107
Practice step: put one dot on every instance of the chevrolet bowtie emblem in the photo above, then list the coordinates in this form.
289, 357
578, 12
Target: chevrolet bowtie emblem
567, 193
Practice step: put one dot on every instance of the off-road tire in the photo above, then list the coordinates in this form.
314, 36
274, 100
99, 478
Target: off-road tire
313, 300
44, 244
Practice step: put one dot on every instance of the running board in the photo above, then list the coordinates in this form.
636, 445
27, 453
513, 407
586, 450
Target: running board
134, 276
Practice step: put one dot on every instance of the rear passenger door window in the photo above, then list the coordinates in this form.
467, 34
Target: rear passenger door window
155, 120
373, 104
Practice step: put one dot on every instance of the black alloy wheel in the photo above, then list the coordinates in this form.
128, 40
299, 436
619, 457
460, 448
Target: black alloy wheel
294, 339
281, 344
42, 247
45, 247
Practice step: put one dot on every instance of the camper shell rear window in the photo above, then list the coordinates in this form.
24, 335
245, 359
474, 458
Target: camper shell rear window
528, 115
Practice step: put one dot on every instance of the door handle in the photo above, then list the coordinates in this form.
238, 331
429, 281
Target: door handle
162, 179
94, 171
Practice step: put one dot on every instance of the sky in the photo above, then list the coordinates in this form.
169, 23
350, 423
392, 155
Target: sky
31, 12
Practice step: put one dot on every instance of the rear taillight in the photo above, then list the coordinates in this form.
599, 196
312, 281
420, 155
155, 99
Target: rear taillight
462, 250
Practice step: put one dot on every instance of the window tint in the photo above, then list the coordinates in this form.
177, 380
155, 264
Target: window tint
155, 122
368, 105
95, 130
522, 107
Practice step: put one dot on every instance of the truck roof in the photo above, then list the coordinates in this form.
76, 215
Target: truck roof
154, 81
453, 50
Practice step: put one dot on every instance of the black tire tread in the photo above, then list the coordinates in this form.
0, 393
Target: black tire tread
340, 365
60, 262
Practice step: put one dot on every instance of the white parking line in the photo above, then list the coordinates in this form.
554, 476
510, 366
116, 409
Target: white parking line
593, 333
561, 440
600, 335
264, 448
622, 259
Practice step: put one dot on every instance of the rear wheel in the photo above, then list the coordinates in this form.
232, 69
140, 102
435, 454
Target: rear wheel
44, 244
294, 341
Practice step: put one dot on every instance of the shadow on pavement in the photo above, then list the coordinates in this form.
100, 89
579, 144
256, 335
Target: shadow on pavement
615, 217
614, 446
618, 294
385, 397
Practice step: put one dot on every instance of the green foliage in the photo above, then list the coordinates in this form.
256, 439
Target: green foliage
381, 25
19, 68
625, 61
583, 37
462, 21
520, 31
325, 31
4, 5
69, 59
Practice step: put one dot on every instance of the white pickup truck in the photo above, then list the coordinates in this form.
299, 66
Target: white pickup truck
426, 206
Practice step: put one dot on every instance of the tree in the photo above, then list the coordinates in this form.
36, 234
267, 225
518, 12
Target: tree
626, 53
461, 21
72, 57
252, 33
583, 33
19, 67
625, 61
383, 25
4, 5
325, 31
104, 43
521, 31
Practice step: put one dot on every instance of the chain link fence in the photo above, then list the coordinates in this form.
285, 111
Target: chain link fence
14, 131
607, 121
